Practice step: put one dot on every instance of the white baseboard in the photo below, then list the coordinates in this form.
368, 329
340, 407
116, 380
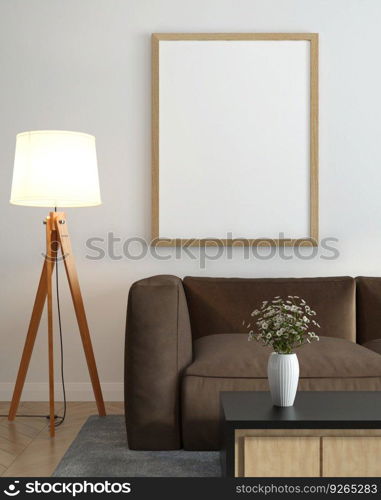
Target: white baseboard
39, 391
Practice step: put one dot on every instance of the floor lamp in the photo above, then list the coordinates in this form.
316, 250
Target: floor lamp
55, 169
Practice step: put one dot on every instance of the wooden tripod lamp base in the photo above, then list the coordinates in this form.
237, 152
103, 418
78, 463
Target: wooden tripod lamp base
57, 238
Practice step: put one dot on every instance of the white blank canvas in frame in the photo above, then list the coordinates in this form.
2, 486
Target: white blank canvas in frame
234, 141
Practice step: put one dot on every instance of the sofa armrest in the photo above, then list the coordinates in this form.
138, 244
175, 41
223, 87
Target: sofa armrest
158, 348
368, 309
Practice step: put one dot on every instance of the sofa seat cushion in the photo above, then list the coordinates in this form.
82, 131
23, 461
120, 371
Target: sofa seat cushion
229, 362
232, 355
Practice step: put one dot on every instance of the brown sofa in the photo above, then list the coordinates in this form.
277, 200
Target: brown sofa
185, 343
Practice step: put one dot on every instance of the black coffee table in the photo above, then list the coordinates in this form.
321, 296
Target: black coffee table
327, 434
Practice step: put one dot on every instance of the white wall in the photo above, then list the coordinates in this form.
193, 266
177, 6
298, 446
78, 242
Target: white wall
85, 65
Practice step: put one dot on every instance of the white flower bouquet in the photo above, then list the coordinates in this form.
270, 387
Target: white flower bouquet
283, 324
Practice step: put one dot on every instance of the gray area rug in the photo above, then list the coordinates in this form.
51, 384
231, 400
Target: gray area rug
100, 449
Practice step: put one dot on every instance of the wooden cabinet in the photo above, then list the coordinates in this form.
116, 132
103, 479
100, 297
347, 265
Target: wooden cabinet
308, 453
260, 439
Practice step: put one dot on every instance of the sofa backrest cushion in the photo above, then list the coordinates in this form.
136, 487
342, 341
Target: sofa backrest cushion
219, 305
368, 304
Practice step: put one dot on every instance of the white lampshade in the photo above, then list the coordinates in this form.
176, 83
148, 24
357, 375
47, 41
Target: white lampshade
55, 168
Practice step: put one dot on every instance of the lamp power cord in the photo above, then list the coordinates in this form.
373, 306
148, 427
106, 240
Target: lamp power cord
60, 419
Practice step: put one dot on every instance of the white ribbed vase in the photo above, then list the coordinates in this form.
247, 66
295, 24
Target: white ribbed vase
283, 374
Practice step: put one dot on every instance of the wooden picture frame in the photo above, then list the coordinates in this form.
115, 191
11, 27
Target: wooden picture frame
312, 218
